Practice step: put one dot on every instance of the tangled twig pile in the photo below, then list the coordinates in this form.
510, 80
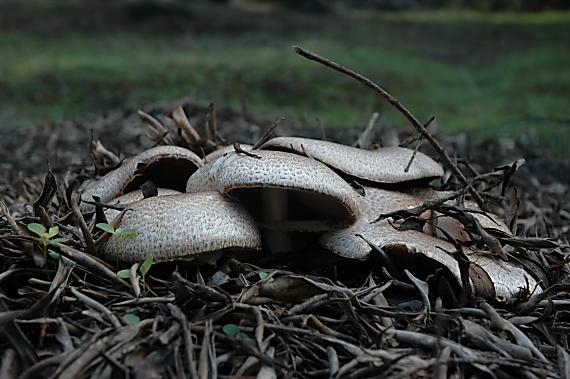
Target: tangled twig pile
417, 286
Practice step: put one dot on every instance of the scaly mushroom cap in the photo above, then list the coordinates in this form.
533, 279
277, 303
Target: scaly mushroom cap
504, 277
384, 165
166, 166
379, 201
221, 151
131, 197
181, 227
283, 191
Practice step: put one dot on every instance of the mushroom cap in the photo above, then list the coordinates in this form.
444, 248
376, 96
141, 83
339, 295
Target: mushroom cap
131, 197
307, 185
183, 226
505, 276
379, 201
384, 165
167, 166
488, 220
221, 151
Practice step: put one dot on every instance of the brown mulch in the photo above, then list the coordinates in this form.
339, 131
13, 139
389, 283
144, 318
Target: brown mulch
304, 314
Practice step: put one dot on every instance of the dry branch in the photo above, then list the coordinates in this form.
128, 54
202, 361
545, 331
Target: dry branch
396, 103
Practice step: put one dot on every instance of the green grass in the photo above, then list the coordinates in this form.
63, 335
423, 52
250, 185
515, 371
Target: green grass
471, 72
463, 16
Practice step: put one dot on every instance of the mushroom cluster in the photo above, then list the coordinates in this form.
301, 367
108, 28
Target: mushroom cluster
341, 196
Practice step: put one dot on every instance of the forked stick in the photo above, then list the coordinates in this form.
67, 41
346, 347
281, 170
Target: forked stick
396, 103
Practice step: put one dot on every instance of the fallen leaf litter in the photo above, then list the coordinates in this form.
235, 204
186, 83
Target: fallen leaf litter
421, 285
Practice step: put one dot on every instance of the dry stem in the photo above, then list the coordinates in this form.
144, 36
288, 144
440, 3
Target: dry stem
396, 103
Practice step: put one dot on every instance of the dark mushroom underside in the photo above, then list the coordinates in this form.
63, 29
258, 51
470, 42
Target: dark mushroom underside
168, 173
293, 210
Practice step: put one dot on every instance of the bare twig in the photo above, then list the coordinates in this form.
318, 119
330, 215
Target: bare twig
4, 211
440, 369
418, 144
238, 149
87, 236
500, 323
182, 122
94, 304
266, 134
134, 279
365, 138
89, 262
153, 123
212, 122
187, 336
99, 150
396, 103
9, 364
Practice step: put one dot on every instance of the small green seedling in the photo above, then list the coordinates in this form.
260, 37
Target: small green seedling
231, 330
47, 237
124, 274
234, 331
120, 234
131, 319
53, 254
143, 268
146, 265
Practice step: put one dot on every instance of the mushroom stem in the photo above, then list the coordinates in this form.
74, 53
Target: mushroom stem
275, 204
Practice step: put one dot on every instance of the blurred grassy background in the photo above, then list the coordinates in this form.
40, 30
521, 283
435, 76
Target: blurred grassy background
499, 74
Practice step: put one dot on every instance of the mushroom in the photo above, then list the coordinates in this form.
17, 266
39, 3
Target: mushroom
132, 197
283, 191
182, 226
166, 166
385, 165
490, 277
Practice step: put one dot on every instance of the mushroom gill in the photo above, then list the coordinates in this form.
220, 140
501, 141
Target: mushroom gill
183, 226
385, 165
167, 166
283, 191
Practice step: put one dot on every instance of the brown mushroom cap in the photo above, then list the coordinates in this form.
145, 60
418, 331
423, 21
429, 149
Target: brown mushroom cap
505, 277
166, 166
384, 165
183, 226
314, 196
132, 197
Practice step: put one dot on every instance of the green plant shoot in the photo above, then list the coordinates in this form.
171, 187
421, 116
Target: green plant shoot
45, 235
146, 265
120, 234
